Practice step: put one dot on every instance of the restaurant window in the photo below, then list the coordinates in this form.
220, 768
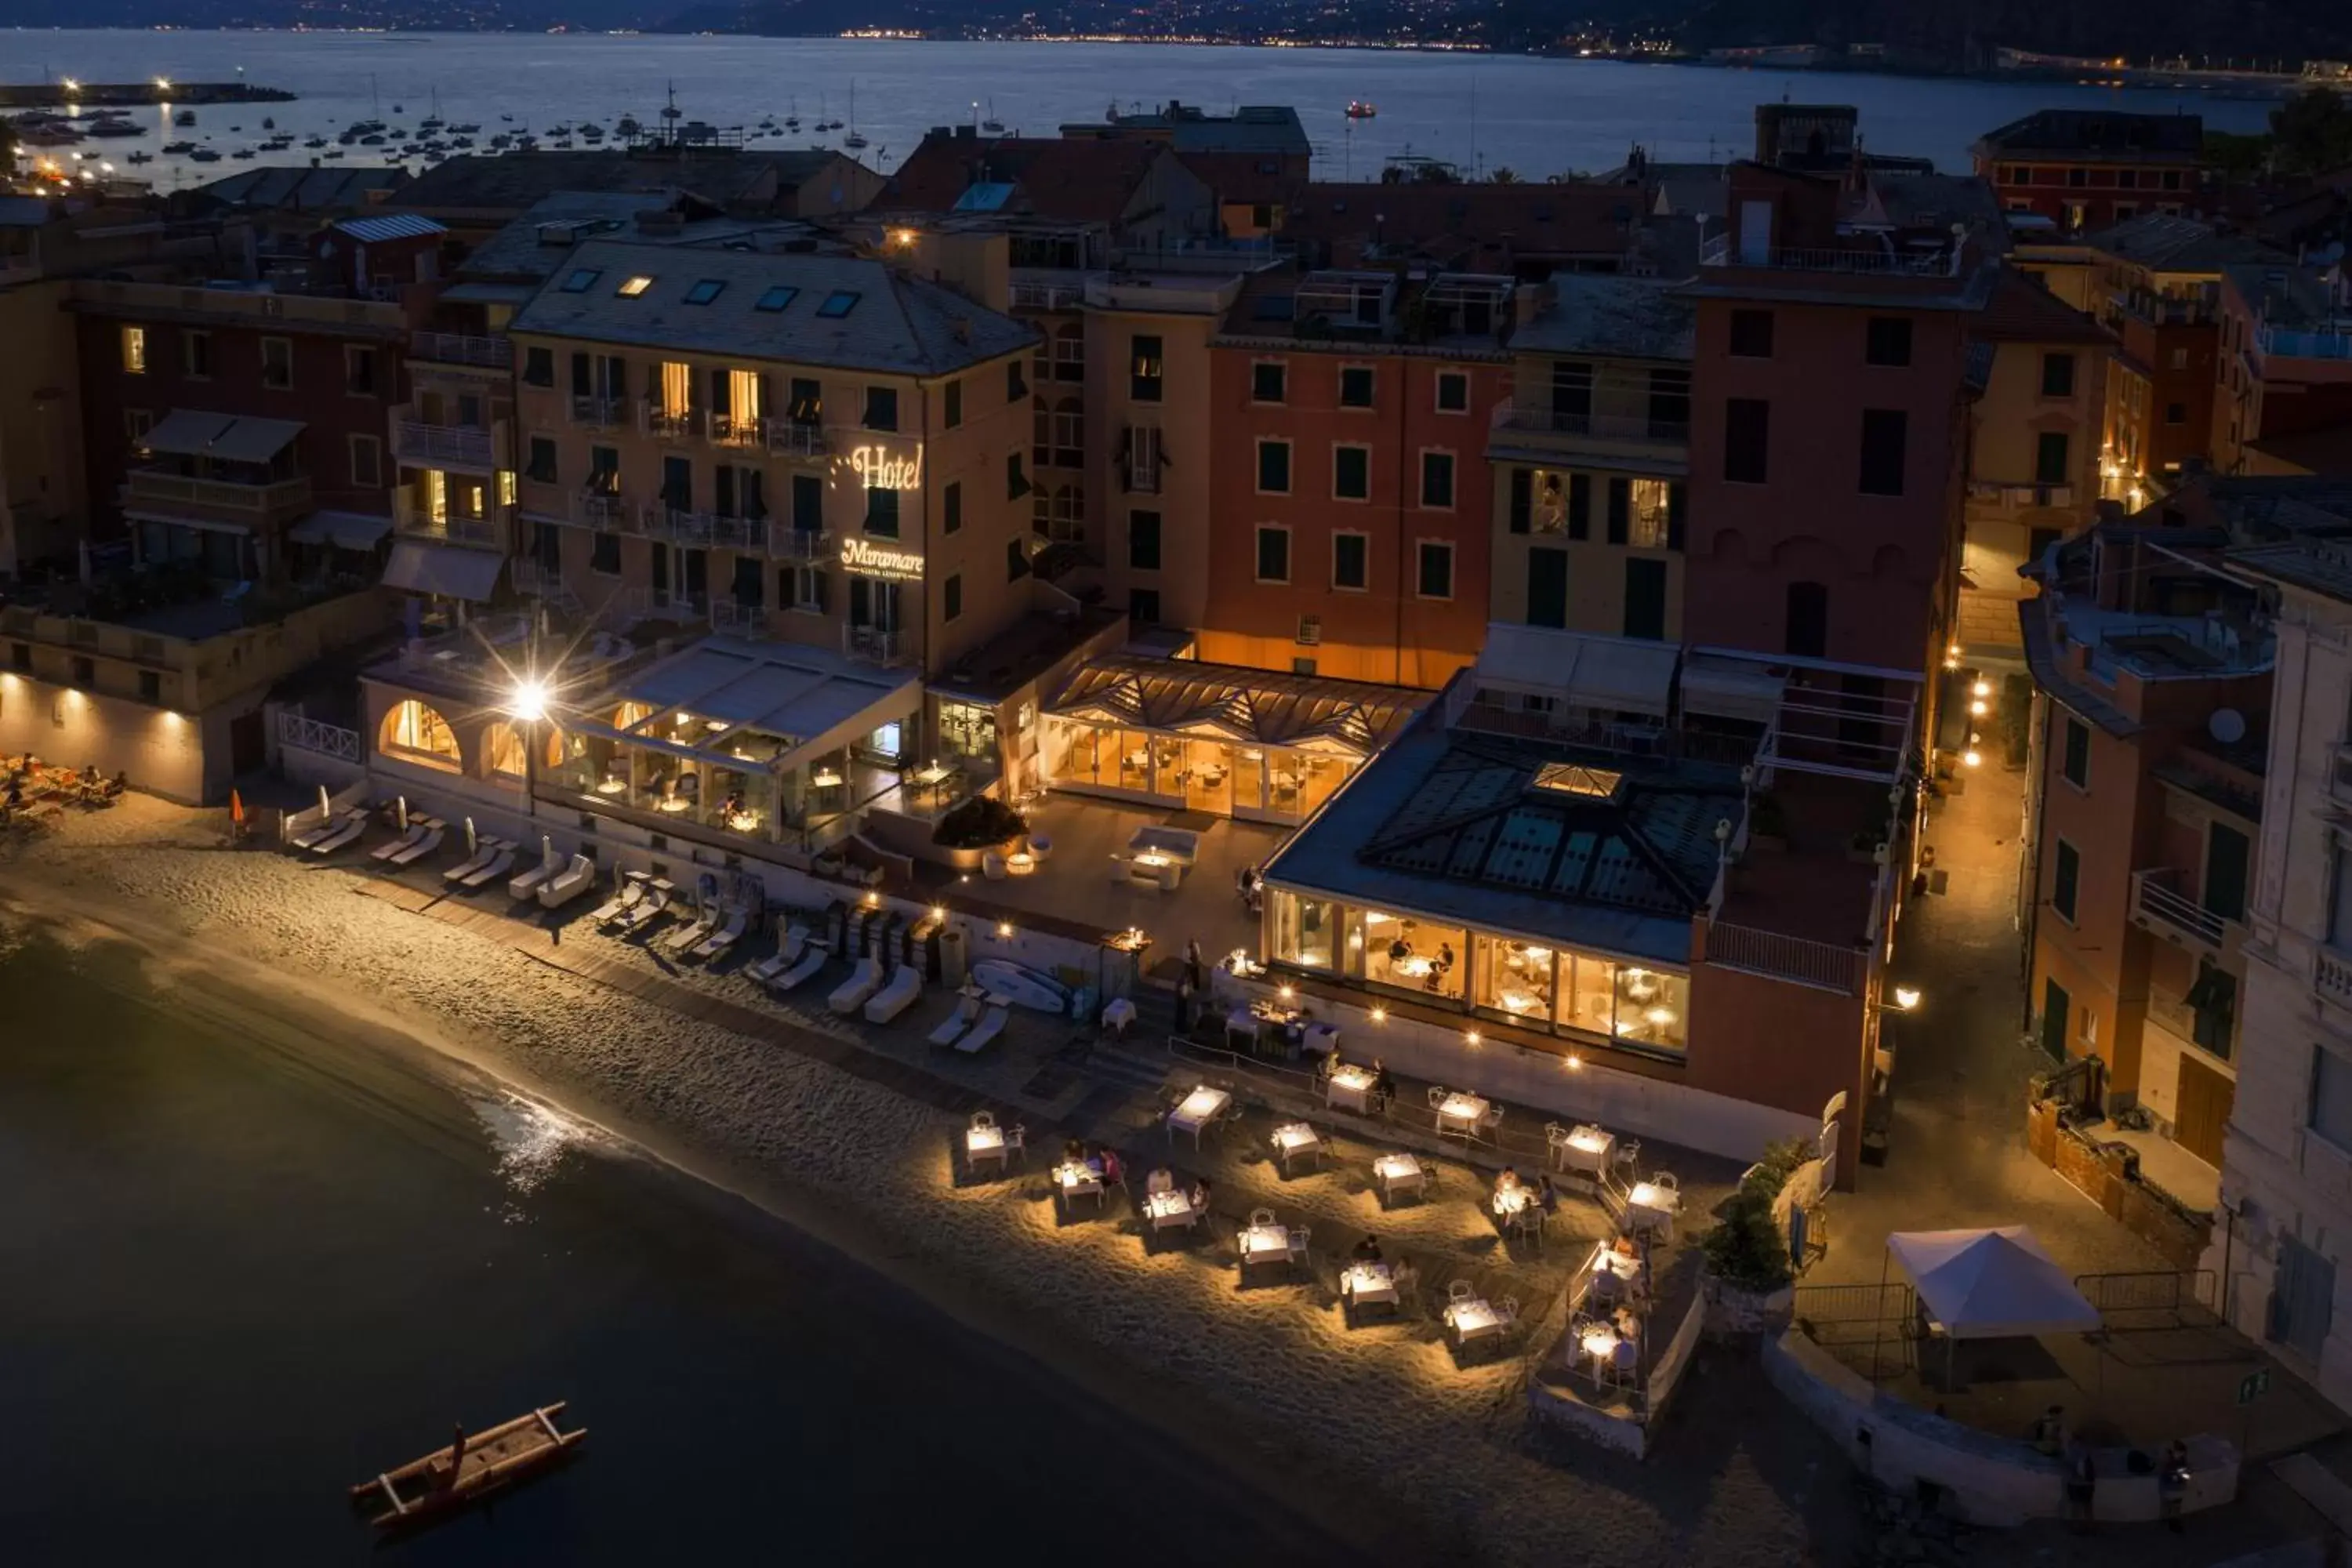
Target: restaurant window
1143, 541
1352, 561
503, 746
1273, 468
1653, 1008
1514, 980
1352, 473
1438, 481
1272, 554
278, 363
134, 351
968, 729
1406, 953
539, 367
416, 733
1305, 930
1453, 392
1887, 341
1146, 371
1269, 381
1588, 993
1355, 386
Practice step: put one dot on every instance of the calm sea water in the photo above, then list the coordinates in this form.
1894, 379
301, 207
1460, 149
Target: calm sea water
1538, 117
244, 1268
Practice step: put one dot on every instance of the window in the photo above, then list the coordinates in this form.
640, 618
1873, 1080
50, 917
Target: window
808, 503
1747, 440
1453, 392
1438, 481
2076, 766
367, 462
705, 291
1016, 385
1645, 598
952, 405
83, 670
1143, 606
881, 408
1017, 560
2057, 375
1355, 386
1272, 554
1807, 632
633, 286
196, 355
1017, 484
882, 511
775, 298
2078, 179
1351, 559
416, 733
1145, 370
951, 597
1650, 503
581, 279
539, 367
952, 507
20, 655
134, 351
2065, 877
605, 470
136, 423
1274, 467
605, 553
1435, 578
1143, 541
1269, 381
2172, 179
359, 371
151, 687
278, 363
1352, 473
2180, 359
541, 468
2331, 1097
1751, 334
1888, 342
1883, 439
2050, 457
839, 303
2176, 413
1069, 352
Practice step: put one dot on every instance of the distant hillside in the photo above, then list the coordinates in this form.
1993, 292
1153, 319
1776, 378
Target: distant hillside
1963, 33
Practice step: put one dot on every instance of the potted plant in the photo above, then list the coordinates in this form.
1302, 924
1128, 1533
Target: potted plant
979, 824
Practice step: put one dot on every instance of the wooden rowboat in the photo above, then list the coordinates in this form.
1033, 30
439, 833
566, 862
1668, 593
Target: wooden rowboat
471, 1468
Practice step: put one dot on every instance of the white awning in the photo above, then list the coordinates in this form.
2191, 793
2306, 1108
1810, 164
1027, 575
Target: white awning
1995, 1283
253, 440
185, 432
345, 529
450, 571
1603, 674
1730, 688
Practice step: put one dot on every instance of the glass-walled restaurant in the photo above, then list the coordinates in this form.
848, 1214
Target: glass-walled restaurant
1253, 745
1529, 985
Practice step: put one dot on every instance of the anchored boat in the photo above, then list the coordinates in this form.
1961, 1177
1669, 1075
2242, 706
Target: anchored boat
469, 1471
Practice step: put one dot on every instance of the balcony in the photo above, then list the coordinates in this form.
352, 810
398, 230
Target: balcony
741, 433
593, 509
255, 506
2331, 976
707, 529
1869, 260
457, 348
447, 446
2284, 343
1049, 295
2164, 310
873, 645
787, 543
2159, 906
1599, 433
670, 424
731, 619
535, 578
492, 531
796, 438
2019, 498
599, 413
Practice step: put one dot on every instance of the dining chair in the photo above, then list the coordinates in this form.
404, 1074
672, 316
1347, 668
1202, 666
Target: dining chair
1261, 1216
1436, 1096
1016, 1145
1298, 1239
1665, 1181
1459, 1291
1507, 1309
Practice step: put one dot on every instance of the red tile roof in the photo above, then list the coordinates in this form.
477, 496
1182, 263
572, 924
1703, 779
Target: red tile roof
1475, 228
2023, 311
1072, 181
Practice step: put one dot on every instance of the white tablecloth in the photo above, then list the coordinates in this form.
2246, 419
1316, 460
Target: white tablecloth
1586, 1149
1365, 1282
1473, 1320
1164, 1209
1651, 1207
1350, 1087
1078, 1180
1460, 1113
1295, 1140
1118, 1013
1399, 1174
1198, 1109
1265, 1244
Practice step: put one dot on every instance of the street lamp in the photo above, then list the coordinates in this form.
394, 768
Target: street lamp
528, 703
1906, 998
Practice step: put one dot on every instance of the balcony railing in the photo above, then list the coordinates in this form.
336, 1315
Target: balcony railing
535, 577
599, 413
2159, 906
747, 621
1862, 259
2331, 976
1781, 957
736, 430
463, 446
2019, 496
795, 439
1049, 295
226, 500
492, 531
457, 348
1600, 426
787, 543
2290, 345
670, 424
872, 643
591, 508
684, 526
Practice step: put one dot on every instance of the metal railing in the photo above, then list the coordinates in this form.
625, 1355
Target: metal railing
314, 735
1778, 956
1860, 259
794, 438
746, 621
242, 502
414, 441
2007, 495
1890, 1302
598, 413
872, 643
2179, 1292
535, 577
2331, 976
787, 543
1598, 426
2289, 343
704, 528
592, 510
736, 430
491, 531
669, 424
2156, 898
1049, 295
457, 348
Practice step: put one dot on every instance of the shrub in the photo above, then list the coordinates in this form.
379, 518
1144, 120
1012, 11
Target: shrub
979, 823
1770, 1174
1745, 1248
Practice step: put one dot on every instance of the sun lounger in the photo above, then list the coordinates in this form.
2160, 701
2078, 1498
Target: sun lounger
788, 952
633, 887
417, 829
725, 937
343, 833
568, 884
422, 847
951, 1027
691, 933
498, 866
862, 982
649, 909
527, 884
799, 974
906, 984
983, 1033
484, 851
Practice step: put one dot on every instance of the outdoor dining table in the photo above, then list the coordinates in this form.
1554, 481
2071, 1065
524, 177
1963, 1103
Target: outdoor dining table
1586, 1148
1264, 1244
1349, 1088
1650, 1207
1609, 1349
1293, 1140
984, 1144
1615, 1275
1075, 1179
1459, 1114
1367, 1283
1118, 1014
1399, 1174
1161, 1210
1473, 1320
1196, 1110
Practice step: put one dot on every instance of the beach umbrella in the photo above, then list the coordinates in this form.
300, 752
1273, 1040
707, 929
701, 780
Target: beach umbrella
473, 844
400, 812
236, 809
326, 806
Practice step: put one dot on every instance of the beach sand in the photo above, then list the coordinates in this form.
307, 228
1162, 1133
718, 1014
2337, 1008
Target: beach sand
1377, 1434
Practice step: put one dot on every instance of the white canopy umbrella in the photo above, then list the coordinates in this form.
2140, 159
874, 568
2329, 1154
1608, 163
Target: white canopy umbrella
1993, 1283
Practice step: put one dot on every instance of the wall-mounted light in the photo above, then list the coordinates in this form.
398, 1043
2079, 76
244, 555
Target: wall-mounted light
1982, 689
1971, 758
939, 911
1379, 1015
1005, 931
1906, 998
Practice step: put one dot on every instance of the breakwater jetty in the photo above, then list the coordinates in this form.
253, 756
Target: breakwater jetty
132, 94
